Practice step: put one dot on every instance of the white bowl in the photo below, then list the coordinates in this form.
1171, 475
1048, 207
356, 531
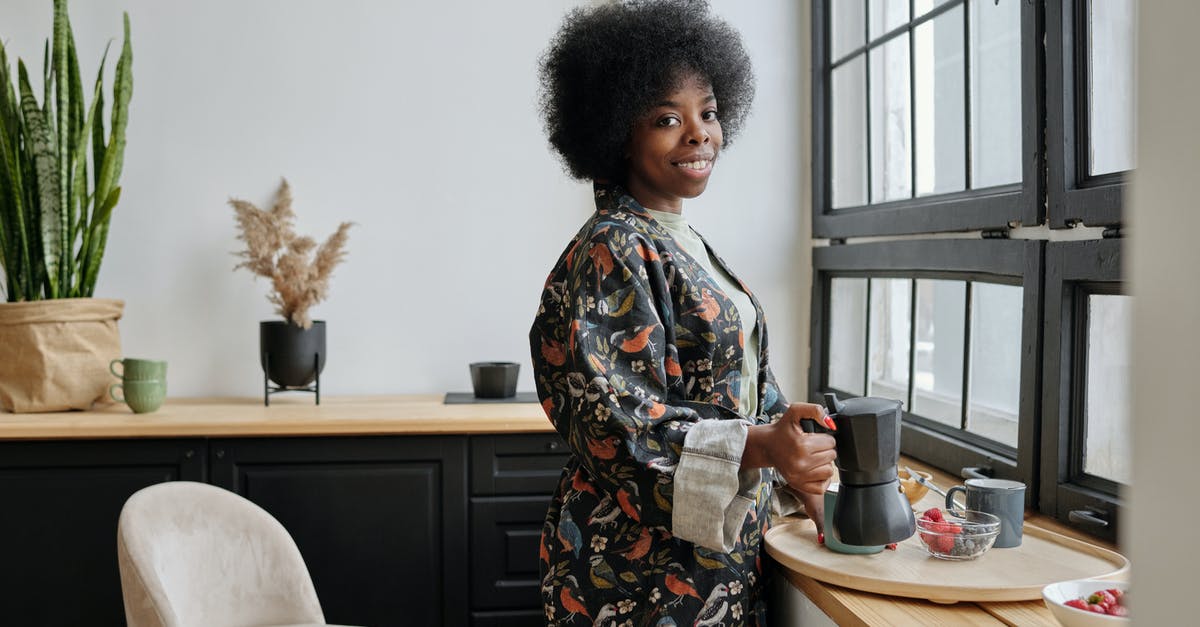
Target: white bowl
1056, 594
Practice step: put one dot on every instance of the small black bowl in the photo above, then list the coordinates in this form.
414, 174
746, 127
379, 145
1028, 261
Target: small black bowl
494, 379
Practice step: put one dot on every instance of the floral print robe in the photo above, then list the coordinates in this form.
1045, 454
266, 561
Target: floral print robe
632, 345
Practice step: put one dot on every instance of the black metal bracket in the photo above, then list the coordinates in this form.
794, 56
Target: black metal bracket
269, 389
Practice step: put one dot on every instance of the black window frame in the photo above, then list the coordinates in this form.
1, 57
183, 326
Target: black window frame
1074, 195
1074, 270
997, 261
986, 209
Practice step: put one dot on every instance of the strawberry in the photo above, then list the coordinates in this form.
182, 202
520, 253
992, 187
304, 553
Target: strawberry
1116, 592
1106, 598
1078, 604
1097, 608
1118, 610
890, 547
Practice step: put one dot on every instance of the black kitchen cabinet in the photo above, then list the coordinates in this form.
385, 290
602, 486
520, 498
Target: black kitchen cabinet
512, 480
395, 530
58, 526
381, 521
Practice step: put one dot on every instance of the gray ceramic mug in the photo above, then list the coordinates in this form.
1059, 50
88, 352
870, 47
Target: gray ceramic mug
1003, 498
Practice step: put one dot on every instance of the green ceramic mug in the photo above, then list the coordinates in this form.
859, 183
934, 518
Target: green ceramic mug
139, 369
142, 397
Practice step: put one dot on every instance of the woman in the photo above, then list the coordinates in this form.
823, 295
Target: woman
650, 356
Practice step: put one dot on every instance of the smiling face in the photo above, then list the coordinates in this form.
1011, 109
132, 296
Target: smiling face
673, 147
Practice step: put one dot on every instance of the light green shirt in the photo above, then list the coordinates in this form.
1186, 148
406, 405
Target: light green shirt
690, 242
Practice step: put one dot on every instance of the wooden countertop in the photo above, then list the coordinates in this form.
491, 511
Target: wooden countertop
290, 416
855, 608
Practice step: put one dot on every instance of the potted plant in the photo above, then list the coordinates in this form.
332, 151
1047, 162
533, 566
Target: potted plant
292, 350
59, 174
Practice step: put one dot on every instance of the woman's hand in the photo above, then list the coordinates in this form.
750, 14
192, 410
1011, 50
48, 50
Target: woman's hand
804, 460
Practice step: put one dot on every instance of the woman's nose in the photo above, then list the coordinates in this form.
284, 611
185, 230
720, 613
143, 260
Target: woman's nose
698, 134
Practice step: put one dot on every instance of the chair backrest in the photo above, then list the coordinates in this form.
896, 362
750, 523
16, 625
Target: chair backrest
194, 554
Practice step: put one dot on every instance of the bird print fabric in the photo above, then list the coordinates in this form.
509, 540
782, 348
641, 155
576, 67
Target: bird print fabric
634, 344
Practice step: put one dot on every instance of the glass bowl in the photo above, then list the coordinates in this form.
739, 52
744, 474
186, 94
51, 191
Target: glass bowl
962, 535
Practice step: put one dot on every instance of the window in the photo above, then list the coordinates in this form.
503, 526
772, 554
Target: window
985, 122
921, 119
964, 370
1086, 417
1089, 113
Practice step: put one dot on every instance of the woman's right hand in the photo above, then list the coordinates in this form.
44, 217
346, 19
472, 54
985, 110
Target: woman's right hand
804, 460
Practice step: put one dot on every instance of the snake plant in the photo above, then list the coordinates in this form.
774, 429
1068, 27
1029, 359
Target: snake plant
54, 216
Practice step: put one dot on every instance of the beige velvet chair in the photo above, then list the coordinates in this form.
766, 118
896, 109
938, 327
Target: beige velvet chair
194, 554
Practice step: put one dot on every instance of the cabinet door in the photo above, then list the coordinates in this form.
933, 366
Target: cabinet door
58, 528
505, 531
380, 521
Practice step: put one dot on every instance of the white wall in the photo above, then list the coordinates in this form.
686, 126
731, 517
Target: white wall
418, 122
1162, 265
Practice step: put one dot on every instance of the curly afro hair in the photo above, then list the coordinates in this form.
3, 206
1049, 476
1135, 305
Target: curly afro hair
608, 65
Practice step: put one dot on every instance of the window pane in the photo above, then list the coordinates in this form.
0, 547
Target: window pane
848, 160
940, 104
891, 310
995, 92
921, 7
995, 365
886, 15
938, 371
1111, 89
1107, 411
846, 27
891, 122
847, 334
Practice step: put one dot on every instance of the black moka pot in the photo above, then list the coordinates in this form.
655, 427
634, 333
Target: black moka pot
870, 508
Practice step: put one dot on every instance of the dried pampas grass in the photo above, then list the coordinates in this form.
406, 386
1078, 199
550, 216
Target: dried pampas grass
274, 251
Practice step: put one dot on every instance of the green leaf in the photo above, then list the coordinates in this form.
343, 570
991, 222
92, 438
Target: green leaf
81, 199
105, 211
60, 59
42, 139
98, 143
122, 91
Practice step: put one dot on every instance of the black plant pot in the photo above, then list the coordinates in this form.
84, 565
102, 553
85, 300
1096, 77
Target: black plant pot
292, 357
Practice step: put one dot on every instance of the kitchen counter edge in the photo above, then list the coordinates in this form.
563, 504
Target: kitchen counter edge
423, 414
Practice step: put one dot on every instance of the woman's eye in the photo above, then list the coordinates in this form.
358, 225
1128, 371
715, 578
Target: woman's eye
709, 116
668, 121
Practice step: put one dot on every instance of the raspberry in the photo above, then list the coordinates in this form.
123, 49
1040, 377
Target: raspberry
945, 544
933, 514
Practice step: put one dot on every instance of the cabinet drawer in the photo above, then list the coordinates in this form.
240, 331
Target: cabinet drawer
517, 464
505, 531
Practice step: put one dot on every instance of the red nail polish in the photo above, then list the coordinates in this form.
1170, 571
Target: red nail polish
829, 423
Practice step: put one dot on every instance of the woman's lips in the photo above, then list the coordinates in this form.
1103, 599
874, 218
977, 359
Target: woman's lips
697, 168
